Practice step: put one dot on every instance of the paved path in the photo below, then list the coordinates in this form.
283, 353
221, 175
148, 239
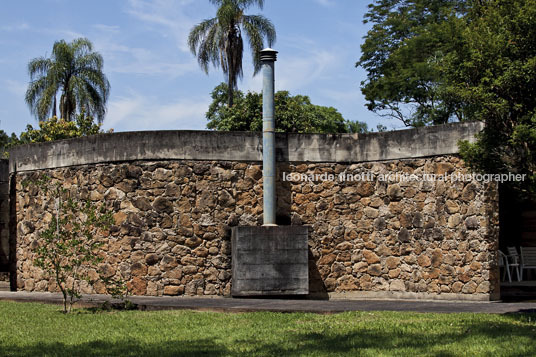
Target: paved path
286, 305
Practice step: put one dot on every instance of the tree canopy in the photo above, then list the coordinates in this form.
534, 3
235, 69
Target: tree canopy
218, 41
75, 70
54, 129
434, 61
294, 114
493, 72
6, 142
400, 55
50, 130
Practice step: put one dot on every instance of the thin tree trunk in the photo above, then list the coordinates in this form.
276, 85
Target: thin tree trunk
230, 90
62, 106
62, 288
54, 108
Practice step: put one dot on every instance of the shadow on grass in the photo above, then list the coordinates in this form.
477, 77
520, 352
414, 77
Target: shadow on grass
505, 338
498, 338
204, 347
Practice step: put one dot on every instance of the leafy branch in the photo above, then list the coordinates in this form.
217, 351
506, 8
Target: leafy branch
69, 245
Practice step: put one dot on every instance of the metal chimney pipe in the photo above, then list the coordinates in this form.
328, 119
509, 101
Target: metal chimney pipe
268, 57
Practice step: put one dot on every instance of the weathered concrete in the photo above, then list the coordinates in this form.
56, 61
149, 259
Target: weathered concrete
242, 146
269, 171
270, 260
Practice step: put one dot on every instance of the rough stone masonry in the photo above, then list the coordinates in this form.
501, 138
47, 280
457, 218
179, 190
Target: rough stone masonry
177, 195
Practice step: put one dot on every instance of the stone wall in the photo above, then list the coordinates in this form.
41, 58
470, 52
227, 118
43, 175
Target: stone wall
173, 222
4, 218
416, 239
176, 195
171, 233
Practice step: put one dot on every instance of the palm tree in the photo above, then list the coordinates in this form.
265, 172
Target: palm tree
219, 40
74, 69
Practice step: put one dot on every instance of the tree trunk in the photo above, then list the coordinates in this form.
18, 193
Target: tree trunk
54, 108
66, 107
229, 90
62, 106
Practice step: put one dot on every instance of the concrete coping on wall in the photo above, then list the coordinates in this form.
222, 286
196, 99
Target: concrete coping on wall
242, 146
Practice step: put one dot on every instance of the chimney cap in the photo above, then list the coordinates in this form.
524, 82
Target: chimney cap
269, 54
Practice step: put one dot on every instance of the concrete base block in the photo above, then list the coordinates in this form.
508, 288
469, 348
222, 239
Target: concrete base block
270, 260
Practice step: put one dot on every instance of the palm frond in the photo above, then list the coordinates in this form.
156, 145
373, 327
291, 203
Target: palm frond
199, 32
265, 27
219, 41
38, 67
46, 102
74, 69
209, 48
81, 46
256, 28
34, 94
243, 4
90, 60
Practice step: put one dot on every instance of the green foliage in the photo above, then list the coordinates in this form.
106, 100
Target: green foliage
294, 114
57, 129
400, 55
68, 245
118, 289
493, 72
51, 129
381, 128
431, 61
356, 126
75, 70
218, 41
6, 142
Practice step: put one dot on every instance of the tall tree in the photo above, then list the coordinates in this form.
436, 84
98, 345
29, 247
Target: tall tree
75, 70
219, 40
400, 55
295, 114
469, 59
493, 72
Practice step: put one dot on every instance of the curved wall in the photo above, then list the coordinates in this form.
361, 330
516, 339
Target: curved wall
242, 146
175, 195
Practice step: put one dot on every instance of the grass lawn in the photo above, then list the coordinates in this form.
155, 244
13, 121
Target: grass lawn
31, 329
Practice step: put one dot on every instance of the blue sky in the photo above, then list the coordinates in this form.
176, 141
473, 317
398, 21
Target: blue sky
156, 83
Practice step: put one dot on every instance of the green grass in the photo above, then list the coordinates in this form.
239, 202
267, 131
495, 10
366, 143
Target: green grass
31, 329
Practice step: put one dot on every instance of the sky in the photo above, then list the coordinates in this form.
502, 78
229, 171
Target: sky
156, 82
